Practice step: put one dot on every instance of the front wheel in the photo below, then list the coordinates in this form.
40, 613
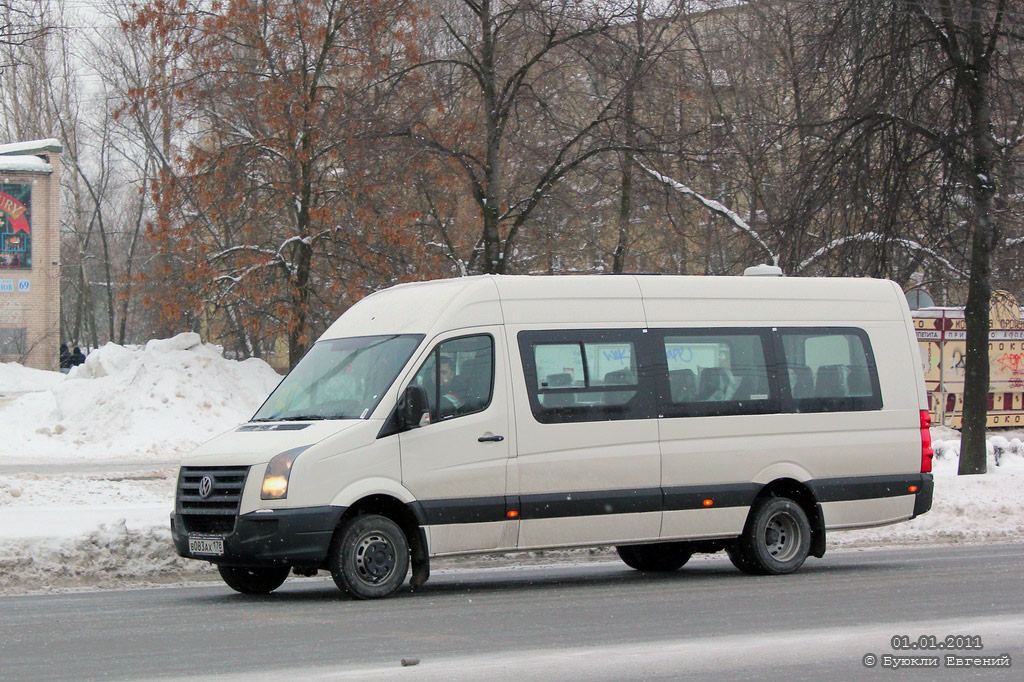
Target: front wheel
659, 557
253, 580
369, 556
776, 540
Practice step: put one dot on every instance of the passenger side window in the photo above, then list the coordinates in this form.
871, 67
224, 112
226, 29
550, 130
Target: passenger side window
458, 376
716, 373
830, 370
581, 376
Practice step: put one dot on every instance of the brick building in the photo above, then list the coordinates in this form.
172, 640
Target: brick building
30, 253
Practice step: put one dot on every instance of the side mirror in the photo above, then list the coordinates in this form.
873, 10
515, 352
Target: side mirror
415, 409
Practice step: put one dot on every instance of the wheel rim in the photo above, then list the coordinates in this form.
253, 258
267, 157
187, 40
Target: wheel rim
782, 536
375, 558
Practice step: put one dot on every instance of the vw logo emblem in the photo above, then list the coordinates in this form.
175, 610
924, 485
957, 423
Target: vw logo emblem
205, 487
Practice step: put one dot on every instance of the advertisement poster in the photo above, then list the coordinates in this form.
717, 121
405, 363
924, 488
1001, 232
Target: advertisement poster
15, 230
941, 336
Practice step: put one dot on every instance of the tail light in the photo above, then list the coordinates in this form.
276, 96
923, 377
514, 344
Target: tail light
926, 442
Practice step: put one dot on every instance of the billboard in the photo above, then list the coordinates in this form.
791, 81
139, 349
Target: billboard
941, 336
15, 227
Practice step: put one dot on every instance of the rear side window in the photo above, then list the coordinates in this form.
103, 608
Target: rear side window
716, 372
830, 370
590, 375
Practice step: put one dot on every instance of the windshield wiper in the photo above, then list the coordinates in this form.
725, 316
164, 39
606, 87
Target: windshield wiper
299, 418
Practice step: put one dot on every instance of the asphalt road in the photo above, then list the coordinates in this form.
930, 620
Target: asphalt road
589, 621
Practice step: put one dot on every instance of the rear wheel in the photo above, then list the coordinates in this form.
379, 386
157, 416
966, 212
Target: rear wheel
369, 556
777, 538
253, 580
660, 557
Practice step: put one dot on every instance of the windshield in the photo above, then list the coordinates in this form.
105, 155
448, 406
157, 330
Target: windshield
339, 379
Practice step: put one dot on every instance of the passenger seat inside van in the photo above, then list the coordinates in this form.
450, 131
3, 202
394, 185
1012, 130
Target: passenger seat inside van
619, 377
830, 382
683, 384
716, 384
561, 380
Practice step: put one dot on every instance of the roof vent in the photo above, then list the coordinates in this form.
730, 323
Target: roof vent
763, 271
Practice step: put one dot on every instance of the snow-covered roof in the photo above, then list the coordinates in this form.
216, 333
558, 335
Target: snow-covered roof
50, 144
24, 164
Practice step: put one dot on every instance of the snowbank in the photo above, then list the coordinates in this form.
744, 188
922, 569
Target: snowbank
148, 404
15, 378
112, 556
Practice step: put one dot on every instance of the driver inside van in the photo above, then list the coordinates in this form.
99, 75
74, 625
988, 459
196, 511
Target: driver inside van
451, 392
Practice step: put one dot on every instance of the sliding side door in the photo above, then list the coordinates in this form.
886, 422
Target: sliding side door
588, 459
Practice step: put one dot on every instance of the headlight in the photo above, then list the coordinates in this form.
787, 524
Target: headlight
275, 480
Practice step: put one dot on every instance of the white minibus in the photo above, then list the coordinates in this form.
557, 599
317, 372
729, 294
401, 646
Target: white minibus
663, 415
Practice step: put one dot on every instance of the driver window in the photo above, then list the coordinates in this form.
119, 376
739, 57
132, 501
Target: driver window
458, 376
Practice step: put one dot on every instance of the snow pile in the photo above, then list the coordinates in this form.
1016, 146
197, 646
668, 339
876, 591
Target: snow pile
15, 378
1000, 449
148, 404
112, 556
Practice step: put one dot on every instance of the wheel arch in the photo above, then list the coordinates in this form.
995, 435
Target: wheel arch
405, 516
800, 493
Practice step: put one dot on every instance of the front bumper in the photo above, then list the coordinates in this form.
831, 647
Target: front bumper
282, 537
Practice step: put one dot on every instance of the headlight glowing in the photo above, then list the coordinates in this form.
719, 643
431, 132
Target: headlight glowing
275, 488
275, 480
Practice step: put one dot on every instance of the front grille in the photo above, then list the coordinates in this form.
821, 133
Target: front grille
225, 494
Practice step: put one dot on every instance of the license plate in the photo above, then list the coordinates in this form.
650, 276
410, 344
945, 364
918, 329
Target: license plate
211, 546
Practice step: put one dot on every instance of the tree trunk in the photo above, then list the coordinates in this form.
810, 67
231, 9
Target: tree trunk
108, 274
302, 253
626, 188
493, 261
973, 458
628, 156
298, 330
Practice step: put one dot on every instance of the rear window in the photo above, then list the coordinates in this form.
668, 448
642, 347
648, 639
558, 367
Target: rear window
830, 370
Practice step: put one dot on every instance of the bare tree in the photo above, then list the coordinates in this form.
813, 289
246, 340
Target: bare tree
511, 112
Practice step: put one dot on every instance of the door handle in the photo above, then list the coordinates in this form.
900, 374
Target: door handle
490, 439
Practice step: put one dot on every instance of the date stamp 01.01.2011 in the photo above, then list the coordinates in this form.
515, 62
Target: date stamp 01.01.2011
967, 648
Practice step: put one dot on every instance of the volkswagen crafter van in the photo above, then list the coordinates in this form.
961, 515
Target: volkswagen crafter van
662, 415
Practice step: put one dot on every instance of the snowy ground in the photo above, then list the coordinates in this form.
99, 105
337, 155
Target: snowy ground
88, 461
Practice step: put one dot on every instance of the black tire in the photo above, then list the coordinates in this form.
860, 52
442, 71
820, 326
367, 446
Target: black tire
369, 557
253, 580
776, 540
625, 553
661, 557
739, 559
